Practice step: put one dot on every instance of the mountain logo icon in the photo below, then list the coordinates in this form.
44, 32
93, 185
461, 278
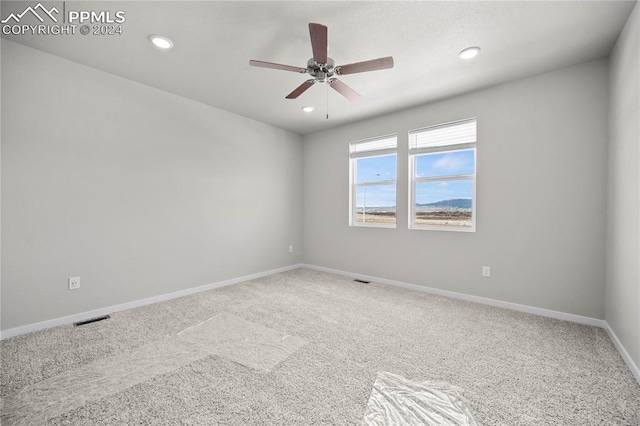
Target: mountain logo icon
34, 11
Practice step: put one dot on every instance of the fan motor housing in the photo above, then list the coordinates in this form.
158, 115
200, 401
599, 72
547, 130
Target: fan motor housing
321, 72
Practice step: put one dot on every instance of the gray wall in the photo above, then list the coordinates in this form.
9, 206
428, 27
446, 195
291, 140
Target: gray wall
542, 147
623, 214
137, 191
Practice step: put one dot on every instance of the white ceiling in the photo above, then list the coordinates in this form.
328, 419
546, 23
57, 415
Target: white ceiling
214, 42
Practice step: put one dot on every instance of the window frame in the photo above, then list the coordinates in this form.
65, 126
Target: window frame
353, 185
414, 179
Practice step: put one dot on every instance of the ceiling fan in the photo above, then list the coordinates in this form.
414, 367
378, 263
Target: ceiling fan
323, 69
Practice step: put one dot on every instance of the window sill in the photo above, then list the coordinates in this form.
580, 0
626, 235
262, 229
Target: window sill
373, 225
443, 228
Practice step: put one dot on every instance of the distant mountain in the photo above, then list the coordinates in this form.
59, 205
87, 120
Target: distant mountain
458, 203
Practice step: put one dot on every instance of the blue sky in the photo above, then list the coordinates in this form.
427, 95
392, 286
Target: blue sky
375, 169
371, 169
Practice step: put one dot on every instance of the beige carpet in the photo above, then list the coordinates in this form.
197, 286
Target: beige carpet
305, 347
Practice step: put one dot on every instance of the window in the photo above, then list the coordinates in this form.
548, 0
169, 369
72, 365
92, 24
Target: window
373, 170
442, 167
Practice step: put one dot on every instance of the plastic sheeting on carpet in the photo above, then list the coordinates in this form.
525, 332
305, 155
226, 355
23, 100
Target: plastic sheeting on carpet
244, 342
225, 335
37, 403
395, 400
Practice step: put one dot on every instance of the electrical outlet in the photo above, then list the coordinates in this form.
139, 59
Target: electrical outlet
74, 283
486, 271
290, 249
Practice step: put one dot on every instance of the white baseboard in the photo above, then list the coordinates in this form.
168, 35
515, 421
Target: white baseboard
29, 328
17, 331
500, 304
623, 352
483, 300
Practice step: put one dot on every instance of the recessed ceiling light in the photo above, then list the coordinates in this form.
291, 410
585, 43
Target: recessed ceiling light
469, 52
307, 108
161, 41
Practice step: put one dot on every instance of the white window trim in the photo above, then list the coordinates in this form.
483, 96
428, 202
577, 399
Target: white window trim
353, 185
413, 180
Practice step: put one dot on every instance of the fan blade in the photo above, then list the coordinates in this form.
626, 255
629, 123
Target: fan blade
319, 42
372, 65
344, 90
300, 89
263, 64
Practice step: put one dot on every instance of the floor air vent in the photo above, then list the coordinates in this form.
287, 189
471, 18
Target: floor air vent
89, 321
363, 281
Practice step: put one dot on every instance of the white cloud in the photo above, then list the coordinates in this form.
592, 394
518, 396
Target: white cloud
450, 163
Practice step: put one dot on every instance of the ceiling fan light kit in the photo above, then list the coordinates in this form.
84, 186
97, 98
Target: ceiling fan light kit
322, 68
